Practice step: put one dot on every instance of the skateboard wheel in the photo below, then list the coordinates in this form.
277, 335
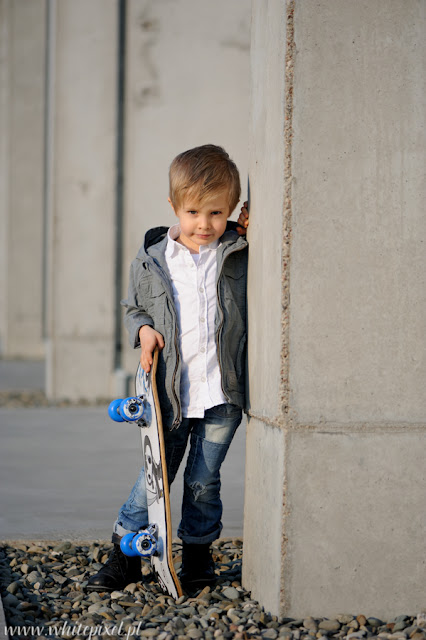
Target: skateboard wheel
114, 411
127, 547
145, 544
132, 409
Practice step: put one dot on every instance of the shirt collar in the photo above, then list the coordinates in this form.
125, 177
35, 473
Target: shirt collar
173, 247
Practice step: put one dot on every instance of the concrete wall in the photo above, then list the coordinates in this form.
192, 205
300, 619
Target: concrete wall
340, 449
264, 479
22, 58
177, 96
187, 84
82, 223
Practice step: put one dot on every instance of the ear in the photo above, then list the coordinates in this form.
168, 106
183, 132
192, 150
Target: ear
171, 204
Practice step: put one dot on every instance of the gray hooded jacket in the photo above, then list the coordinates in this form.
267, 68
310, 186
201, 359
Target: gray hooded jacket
150, 301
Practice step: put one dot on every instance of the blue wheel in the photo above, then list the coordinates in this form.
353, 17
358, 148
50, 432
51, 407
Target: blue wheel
145, 543
126, 545
114, 411
132, 409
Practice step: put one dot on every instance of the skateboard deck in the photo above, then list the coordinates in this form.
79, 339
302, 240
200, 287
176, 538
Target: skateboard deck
155, 540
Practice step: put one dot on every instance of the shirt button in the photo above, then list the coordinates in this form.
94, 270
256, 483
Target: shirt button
202, 319
203, 379
203, 349
201, 289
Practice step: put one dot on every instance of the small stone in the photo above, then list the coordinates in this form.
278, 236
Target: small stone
35, 549
374, 622
10, 600
344, 618
329, 625
64, 546
27, 606
231, 593
421, 619
35, 577
310, 624
270, 634
131, 588
362, 620
13, 587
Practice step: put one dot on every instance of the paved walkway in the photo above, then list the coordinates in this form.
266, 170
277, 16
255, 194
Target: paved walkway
64, 472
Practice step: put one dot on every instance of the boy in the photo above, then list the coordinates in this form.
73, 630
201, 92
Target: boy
187, 295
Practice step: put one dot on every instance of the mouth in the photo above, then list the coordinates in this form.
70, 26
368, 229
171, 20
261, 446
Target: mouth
203, 236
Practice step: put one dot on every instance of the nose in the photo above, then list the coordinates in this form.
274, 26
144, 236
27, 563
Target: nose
204, 222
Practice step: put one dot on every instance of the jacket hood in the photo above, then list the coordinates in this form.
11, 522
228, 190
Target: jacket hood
158, 234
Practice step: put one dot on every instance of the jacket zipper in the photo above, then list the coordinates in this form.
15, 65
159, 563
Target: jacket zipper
178, 418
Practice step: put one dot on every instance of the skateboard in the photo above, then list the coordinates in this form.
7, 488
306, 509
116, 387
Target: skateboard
155, 540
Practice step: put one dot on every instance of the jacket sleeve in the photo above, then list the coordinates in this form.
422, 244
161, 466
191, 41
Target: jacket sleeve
135, 316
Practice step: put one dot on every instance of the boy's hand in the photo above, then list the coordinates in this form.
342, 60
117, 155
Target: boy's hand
243, 220
149, 339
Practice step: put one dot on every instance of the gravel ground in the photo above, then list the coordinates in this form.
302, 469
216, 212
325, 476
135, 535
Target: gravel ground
43, 585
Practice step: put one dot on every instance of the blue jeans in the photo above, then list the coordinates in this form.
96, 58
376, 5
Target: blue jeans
210, 438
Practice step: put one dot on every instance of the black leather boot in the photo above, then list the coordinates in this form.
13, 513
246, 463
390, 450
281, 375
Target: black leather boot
118, 571
197, 569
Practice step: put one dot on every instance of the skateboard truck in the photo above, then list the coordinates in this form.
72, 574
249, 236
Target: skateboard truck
144, 543
133, 409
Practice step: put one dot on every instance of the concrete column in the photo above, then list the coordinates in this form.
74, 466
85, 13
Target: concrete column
335, 475
187, 80
22, 58
82, 224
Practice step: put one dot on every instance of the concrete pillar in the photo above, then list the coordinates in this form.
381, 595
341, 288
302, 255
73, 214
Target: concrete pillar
335, 475
83, 175
187, 84
22, 59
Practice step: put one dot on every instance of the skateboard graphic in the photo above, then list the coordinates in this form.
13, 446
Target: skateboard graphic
155, 540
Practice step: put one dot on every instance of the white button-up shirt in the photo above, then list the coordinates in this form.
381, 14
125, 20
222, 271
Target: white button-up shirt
194, 294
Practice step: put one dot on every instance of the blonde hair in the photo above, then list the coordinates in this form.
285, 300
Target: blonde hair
203, 171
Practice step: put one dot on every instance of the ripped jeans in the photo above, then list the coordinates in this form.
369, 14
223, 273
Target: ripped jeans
210, 438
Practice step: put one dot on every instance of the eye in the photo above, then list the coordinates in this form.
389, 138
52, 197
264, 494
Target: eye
216, 213
192, 212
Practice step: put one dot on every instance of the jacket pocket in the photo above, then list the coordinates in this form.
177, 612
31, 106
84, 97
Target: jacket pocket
157, 305
144, 290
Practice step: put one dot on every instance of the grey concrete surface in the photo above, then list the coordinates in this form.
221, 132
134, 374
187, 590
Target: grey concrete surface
64, 473
347, 426
3, 630
22, 375
356, 515
22, 66
358, 260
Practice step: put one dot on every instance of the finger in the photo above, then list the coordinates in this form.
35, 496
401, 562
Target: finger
160, 341
145, 366
146, 361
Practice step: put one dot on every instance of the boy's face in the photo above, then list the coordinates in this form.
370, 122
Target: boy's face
202, 222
